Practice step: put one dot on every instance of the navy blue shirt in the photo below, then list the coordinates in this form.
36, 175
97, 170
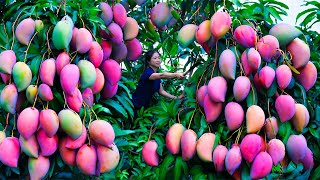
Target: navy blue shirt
145, 89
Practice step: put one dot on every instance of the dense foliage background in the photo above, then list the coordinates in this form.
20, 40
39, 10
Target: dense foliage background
118, 110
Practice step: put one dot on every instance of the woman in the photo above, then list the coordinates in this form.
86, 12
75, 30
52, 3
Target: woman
149, 82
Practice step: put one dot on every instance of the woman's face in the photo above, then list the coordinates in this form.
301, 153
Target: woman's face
155, 60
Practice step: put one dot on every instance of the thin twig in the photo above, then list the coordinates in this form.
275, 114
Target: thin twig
26, 52
13, 30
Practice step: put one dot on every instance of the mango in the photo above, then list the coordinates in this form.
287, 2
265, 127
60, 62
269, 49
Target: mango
106, 14
173, 138
130, 29
62, 34
267, 76
186, 35
300, 53
39, 25
217, 89
87, 97
77, 143
257, 83
45, 92
233, 159
308, 76
67, 155
201, 93
285, 33
73, 42
9, 98
218, 156
86, 159
111, 71
69, 19
10, 151
149, 153
276, 150
25, 31
49, 122
307, 161
2, 136
134, 49
188, 144
300, 118
246, 36
203, 33
75, 101
48, 145
119, 14
205, 146
208, 46
116, 33
254, 119
254, 59
7, 60
241, 88
22, 75
119, 52
245, 64
250, 146
108, 158
285, 107
69, 78
28, 121
83, 40
284, 76
160, 15
38, 167
296, 148
62, 60
29, 146
109, 90
95, 54
212, 109
227, 64
48, 71
106, 48
172, 22
102, 132
87, 73
267, 47
220, 24
234, 115
98, 83
271, 127
261, 166
20, 101
70, 122
5, 77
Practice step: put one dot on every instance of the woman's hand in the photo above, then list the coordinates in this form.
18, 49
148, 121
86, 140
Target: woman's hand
181, 97
179, 75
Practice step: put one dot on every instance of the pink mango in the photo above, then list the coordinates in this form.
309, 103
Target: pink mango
173, 138
9, 98
212, 109
73, 43
108, 158
28, 121
233, 159
246, 36
116, 33
67, 155
75, 101
95, 54
308, 76
245, 64
134, 49
5, 77
267, 47
25, 30
234, 115
106, 14
241, 88
22, 75
119, 52
160, 15
186, 35
285, 33
250, 146
254, 59
119, 14
271, 127
83, 40
285, 107
254, 119
10, 151
266, 76
106, 48
203, 33
29, 146
307, 161
99, 82
38, 167
70, 123
87, 159
7, 60
130, 29
300, 53
87, 97
217, 89
149, 153
205, 146
62, 60
300, 118
109, 90
276, 150
257, 83
48, 71
111, 71
69, 78
201, 93
297, 148
218, 156
284, 76
261, 166
208, 45
48, 145
77, 143
188, 144
45, 92
228, 64
20, 101
220, 24
102, 132
49, 122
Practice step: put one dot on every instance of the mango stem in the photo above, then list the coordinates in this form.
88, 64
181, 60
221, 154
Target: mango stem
13, 29
25, 55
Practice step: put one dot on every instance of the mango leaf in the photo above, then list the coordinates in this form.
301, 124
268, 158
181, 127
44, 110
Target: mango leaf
274, 13
272, 89
168, 160
252, 98
245, 174
177, 168
119, 132
116, 107
303, 94
316, 174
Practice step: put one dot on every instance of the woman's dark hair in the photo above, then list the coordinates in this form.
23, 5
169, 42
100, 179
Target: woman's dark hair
148, 55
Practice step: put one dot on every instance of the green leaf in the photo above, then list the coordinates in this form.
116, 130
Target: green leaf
274, 13
245, 174
252, 98
272, 89
35, 65
279, 3
118, 132
116, 107
305, 12
15, 170
177, 168
316, 174
303, 94
168, 160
